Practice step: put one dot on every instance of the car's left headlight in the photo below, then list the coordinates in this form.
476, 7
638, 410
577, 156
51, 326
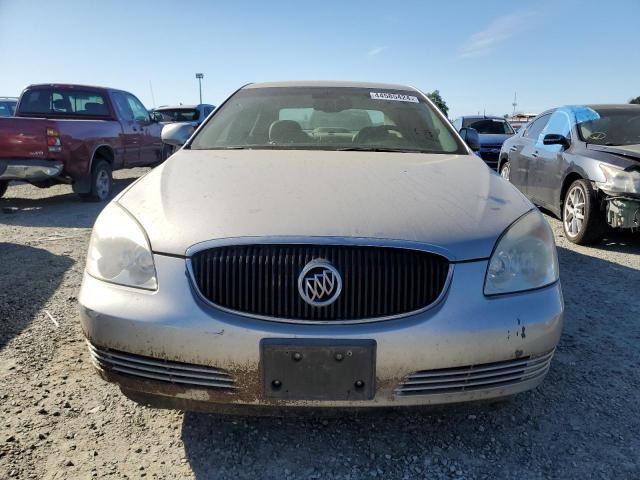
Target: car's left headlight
119, 251
524, 258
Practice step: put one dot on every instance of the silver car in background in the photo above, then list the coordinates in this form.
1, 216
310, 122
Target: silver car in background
321, 244
192, 114
8, 106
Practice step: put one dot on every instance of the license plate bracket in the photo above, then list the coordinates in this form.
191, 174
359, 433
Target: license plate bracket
318, 369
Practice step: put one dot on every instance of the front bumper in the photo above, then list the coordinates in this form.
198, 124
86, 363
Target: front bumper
30, 170
173, 330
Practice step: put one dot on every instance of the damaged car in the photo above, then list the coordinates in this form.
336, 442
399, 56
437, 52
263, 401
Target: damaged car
583, 164
321, 245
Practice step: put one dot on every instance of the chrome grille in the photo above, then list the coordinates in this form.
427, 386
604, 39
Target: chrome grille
474, 377
377, 282
162, 370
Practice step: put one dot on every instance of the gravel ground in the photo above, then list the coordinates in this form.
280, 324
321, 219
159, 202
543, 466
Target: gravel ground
59, 420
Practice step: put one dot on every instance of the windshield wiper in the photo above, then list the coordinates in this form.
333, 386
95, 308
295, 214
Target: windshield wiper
237, 147
380, 149
315, 147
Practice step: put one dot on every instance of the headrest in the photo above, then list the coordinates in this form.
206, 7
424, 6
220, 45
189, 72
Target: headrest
60, 105
286, 131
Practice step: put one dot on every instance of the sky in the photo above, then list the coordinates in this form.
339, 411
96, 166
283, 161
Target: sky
477, 54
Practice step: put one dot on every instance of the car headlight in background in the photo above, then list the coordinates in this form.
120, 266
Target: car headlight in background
619, 180
524, 258
119, 251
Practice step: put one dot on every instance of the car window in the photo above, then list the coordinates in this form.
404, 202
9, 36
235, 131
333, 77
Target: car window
559, 123
535, 128
63, 101
122, 106
495, 126
179, 114
328, 118
457, 123
349, 120
140, 114
7, 109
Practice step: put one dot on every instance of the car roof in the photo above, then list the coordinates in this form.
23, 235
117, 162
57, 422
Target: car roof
594, 106
69, 85
319, 83
173, 107
612, 106
483, 117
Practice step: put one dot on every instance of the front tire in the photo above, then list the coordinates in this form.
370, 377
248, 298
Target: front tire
582, 220
101, 182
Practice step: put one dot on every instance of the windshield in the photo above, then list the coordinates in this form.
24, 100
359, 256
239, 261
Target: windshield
179, 114
489, 126
7, 108
327, 118
609, 126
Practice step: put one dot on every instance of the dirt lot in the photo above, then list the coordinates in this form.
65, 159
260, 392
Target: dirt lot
58, 420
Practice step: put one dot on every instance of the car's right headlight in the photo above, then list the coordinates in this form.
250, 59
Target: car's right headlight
119, 251
619, 180
524, 258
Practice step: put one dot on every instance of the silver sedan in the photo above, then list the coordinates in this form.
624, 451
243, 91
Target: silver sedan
321, 244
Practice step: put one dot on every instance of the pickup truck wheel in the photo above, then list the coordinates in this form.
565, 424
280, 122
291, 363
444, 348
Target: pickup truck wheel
3, 188
101, 182
582, 220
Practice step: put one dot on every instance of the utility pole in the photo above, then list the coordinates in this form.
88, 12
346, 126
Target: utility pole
200, 76
515, 103
153, 99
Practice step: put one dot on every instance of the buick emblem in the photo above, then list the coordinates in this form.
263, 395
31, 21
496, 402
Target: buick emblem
319, 283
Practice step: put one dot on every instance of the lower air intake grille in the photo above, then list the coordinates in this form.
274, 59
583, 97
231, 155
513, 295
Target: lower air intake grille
475, 377
262, 280
161, 370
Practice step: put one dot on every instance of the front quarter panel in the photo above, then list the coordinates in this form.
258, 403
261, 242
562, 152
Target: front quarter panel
579, 161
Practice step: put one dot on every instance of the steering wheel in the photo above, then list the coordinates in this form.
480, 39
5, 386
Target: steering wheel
374, 133
596, 136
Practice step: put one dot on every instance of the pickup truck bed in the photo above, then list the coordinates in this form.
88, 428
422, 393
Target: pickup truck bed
78, 135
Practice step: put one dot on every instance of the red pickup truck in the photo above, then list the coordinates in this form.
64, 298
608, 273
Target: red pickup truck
77, 135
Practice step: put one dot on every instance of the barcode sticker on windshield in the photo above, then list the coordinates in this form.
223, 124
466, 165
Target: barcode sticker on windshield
395, 97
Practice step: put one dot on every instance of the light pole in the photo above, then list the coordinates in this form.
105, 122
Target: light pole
200, 76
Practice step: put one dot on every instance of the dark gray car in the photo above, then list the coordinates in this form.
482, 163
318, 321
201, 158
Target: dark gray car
583, 164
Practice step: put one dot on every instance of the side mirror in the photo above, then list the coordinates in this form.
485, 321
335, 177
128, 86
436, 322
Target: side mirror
176, 134
555, 139
471, 138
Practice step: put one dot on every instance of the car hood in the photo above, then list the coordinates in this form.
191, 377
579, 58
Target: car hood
452, 202
493, 138
628, 151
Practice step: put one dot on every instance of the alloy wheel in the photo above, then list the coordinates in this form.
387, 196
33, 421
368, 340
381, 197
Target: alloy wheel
505, 171
574, 209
